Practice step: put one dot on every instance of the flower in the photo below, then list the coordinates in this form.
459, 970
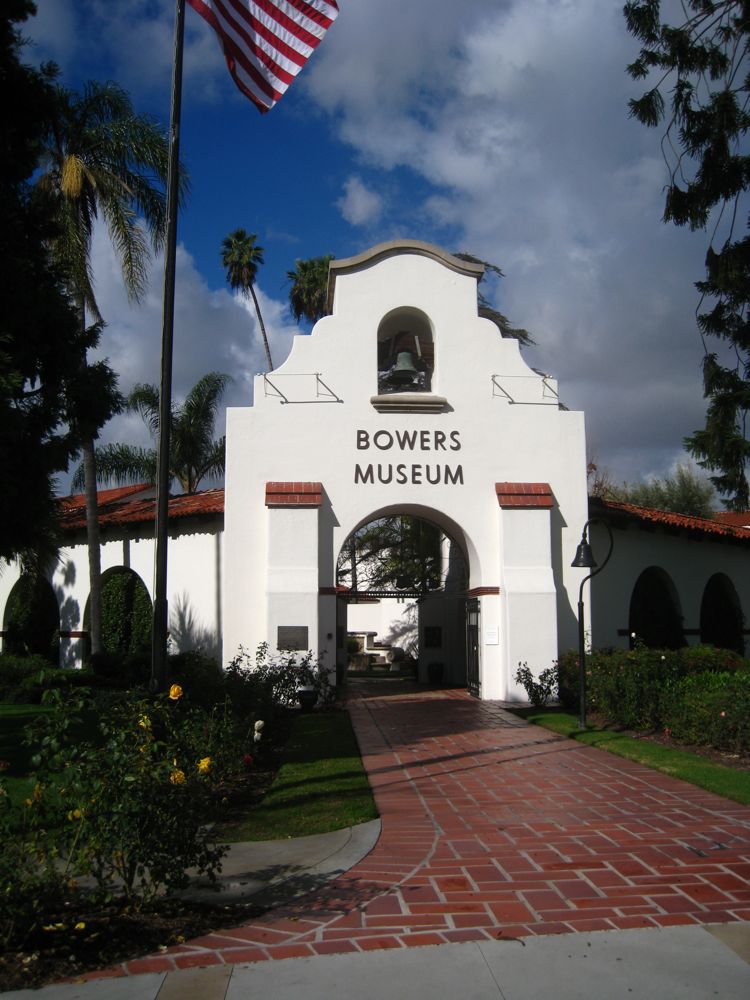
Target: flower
80, 926
259, 725
74, 814
144, 722
723, 714
257, 737
177, 777
247, 760
175, 692
204, 765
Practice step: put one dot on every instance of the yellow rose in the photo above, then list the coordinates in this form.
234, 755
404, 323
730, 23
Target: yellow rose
175, 692
177, 777
203, 765
144, 722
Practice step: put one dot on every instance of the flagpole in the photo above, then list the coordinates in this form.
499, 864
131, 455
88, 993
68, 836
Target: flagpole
163, 478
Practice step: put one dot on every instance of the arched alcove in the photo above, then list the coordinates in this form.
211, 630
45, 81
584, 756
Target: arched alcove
126, 611
31, 619
406, 352
721, 615
655, 614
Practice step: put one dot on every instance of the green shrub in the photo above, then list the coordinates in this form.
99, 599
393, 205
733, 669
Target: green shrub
568, 681
699, 659
629, 686
129, 806
279, 677
538, 690
711, 709
199, 674
685, 691
19, 671
122, 670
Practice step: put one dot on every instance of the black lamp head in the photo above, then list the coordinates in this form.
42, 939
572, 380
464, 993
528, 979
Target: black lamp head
584, 556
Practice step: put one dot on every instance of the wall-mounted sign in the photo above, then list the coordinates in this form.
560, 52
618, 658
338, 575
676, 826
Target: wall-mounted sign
491, 635
292, 637
413, 473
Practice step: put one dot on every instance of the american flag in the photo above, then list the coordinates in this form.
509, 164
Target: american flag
267, 42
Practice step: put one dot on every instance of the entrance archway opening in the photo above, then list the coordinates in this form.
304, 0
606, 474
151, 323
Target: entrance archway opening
402, 582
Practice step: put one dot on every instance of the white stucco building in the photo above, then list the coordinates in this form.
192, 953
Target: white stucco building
404, 401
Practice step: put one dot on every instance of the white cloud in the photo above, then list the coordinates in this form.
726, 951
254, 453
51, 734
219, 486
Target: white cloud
359, 205
213, 331
515, 116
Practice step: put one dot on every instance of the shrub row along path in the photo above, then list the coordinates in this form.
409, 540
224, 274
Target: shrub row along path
493, 828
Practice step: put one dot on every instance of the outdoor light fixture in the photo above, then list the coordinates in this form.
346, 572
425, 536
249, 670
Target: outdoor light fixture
585, 560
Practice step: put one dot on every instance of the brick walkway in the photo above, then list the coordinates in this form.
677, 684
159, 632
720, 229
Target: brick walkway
494, 829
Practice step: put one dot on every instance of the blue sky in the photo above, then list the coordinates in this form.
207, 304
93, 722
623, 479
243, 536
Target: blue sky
494, 126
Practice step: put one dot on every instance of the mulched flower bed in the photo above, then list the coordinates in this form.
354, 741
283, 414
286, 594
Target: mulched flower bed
82, 938
106, 936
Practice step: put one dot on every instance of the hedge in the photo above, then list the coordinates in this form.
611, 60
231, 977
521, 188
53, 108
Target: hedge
699, 694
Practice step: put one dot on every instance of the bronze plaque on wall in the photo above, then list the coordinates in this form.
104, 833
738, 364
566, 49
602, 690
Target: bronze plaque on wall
292, 637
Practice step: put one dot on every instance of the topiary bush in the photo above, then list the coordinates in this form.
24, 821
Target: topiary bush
126, 613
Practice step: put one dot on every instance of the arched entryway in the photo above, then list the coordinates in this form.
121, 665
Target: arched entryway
402, 582
721, 615
655, 614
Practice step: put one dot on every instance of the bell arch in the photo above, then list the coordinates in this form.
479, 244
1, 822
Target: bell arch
655, 615
721, 615
406, 352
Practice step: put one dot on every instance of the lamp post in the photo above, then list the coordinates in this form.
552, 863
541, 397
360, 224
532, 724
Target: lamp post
585, 560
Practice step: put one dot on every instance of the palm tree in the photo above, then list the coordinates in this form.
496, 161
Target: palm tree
100, 157
241, 257
193, 453
308, 295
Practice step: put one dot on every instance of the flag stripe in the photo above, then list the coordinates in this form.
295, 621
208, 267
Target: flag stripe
267, 42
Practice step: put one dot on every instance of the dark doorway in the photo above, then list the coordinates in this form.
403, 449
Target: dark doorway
721, 615
472, 646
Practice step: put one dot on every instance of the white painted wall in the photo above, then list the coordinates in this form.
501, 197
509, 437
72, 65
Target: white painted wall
690, 562
193, 582
312, 438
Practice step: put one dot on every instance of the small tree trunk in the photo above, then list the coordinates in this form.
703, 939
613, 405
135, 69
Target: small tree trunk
92, 537
262, 329
92, 522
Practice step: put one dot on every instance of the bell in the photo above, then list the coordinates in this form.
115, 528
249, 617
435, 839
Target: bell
403, 371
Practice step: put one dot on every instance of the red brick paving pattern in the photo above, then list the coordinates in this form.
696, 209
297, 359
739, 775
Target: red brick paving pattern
493, 829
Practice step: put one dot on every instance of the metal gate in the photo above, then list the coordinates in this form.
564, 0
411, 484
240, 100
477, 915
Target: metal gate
472, 646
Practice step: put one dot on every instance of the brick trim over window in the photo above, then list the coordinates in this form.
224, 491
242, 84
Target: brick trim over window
524, 496
294, 494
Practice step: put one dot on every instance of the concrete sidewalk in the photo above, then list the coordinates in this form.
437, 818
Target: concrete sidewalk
677, 963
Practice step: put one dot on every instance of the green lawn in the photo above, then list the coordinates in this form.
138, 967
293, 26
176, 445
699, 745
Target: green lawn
727, 781
320, 786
